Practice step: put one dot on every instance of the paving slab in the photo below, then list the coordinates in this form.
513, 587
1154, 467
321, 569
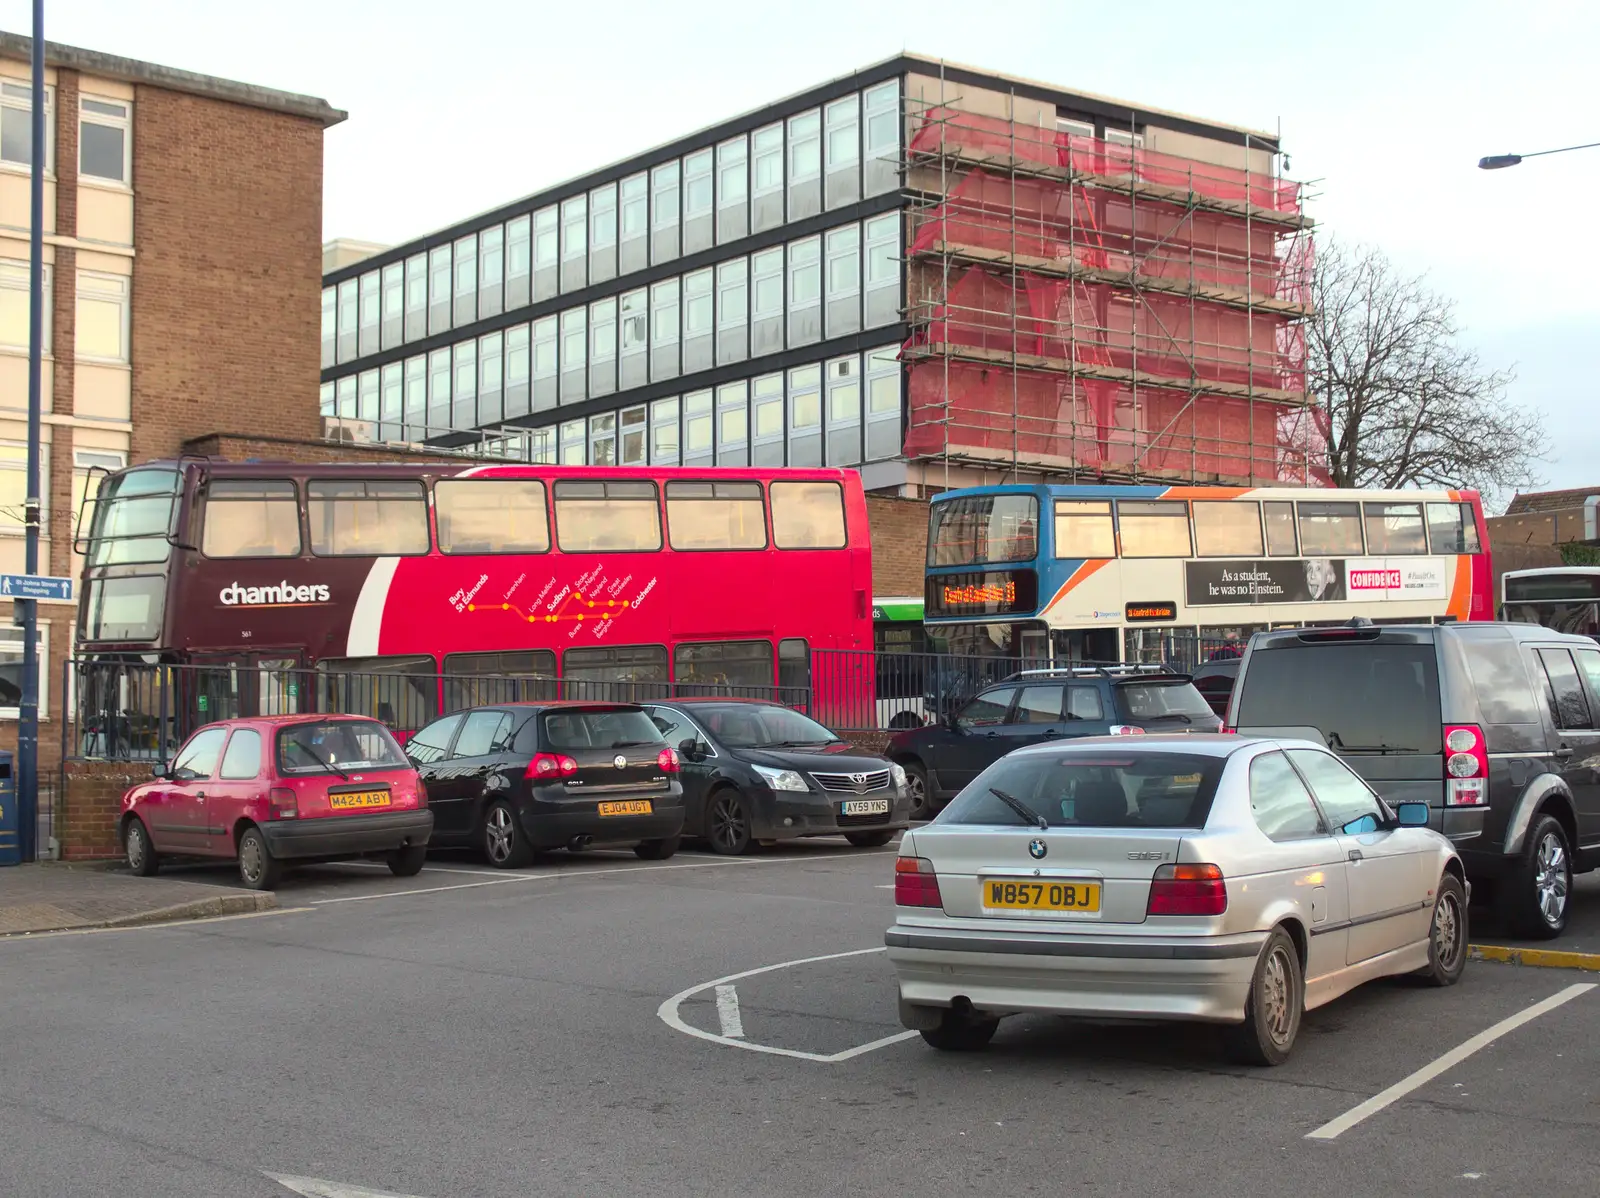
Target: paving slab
52, 897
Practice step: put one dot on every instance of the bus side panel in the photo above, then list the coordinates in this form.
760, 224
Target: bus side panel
1483, 597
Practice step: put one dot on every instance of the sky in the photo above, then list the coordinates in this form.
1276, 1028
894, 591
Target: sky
456, 108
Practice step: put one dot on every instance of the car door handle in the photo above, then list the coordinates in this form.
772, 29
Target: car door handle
1355, 855
1563, 752
1051, 734
991, 734
199, 794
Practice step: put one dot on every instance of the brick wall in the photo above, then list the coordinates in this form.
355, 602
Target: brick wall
227, 285
1537, 528
899, 544
90, 804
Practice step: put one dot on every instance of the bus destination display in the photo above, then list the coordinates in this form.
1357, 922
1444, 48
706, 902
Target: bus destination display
982, 593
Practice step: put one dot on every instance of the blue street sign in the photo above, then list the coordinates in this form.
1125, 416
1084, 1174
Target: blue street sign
35, 586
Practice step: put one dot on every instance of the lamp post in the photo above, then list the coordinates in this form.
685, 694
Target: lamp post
28, 609
1496, 162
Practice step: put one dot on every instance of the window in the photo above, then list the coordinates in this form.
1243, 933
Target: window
416, 324
634, 219
733, 424
805, 164
697, 429
198, 758
545, 334
242, 761
805, 275
574, 243
733, 311
1372, 695
844, 411
251, 518
347, 314
607, 517
988, 709
603, 347
574, 353
1279, 518
1038, 705
491, 270
698, 320
102, 317
883, 270
542, 447
716, 515
1280, 802
1083, 529
1395, 528
844, 151
345, 396
519, 261
805, 416
1083, 703
603, 233
1330, 529
12, 328
635, 672
391, 403
1227, 529
1343, 797
323, 746
633, 436
883, 404
464, 390
723, 667
808, 515
1500, 679
16, 125
416, 398
483, 515
766, 178
574, 447
433, 742
472, 679
546, 253
794, 667
1564, 692
367, 396
14, 278
664, 213
491, 379
603, 439
1156, 528
882, 167
1589, 661
733, 189
394, 304
1452, 528
367, 518
438, 291
104, 127
844, 280
983, 528
664, 330
766, 405
87, 464
664, 432
766, 313
697, 201
371, 309
483, 733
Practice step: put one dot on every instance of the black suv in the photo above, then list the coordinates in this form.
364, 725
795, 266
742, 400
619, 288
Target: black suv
1041, 705
1495, 726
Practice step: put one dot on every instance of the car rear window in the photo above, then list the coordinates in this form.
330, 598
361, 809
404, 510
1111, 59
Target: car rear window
331, 745
1359, 695
1157, 700
1124, 789
599, 728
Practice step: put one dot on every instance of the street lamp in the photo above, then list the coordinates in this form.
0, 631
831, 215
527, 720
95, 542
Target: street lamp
1495, 162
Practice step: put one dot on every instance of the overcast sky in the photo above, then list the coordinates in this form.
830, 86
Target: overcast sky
459, 107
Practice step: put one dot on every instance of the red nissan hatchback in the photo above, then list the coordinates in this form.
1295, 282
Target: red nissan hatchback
280, 790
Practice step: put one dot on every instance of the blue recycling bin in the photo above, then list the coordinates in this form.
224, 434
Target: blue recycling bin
10, 823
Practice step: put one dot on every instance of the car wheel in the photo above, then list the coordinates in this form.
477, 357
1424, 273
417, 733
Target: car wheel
917, 790
136, 847
657, 850
959, 1032
504, 843
407, 862
870, 840
728, 823
1539, 887
905, 720
1273, 1011
1447, 935
258, 868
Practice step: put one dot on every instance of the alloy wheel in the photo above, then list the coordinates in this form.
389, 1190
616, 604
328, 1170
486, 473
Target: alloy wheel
1550, 878
1275, 995
1447, 932
918, 794
500, 835
728, 823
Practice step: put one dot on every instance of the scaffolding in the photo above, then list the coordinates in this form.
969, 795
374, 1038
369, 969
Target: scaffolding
1088, 308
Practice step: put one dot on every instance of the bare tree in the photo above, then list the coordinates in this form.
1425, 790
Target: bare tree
1407, 404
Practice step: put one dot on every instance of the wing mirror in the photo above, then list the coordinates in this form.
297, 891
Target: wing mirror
160, 771
689, 749
1412, 815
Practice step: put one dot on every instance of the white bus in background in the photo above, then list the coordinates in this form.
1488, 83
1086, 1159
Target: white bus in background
1563, 598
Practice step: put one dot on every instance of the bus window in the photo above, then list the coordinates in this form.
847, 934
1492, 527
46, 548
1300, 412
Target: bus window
491, 515
808, 515
367, 517
397, 690
1280, 529
607, 517
132, 518
474, 679
1330, 529
723, 667
1227, 529
716, 515
1154, 528
251, 518
794, 670
983, 528
1084, 529
1395, 528
1452, 528
623, 674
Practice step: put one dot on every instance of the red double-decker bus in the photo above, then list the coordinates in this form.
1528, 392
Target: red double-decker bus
392, 588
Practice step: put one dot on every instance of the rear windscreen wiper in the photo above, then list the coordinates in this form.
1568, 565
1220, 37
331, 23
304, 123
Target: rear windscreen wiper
1334, 742
1033, 817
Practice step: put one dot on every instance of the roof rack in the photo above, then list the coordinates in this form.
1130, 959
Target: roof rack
1124, 670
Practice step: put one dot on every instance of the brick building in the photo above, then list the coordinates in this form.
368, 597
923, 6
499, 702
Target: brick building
1536, 525
182, 249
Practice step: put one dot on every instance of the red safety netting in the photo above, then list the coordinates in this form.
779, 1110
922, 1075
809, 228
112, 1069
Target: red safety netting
947, 131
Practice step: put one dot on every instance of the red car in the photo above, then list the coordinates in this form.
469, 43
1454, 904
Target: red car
280, 790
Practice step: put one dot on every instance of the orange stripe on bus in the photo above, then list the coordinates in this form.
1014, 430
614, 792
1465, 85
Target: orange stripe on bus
1205, 492
1077, 576
1460, 605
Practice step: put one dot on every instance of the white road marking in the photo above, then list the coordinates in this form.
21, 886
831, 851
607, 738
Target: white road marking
667, 1012
728, 1013
312, 1187
1337, 1127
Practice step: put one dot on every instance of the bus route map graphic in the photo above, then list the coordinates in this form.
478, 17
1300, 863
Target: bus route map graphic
591, 601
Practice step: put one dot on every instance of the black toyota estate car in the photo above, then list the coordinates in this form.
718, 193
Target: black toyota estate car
1496, 726
514, 779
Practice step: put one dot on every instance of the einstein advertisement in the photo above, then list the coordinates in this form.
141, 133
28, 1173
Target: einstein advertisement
1314, 580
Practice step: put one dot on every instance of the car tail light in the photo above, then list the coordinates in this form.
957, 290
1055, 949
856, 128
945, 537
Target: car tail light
1187, 890
547, 767
282, 803
667, 761
1466, 766
915, 883
1126, 730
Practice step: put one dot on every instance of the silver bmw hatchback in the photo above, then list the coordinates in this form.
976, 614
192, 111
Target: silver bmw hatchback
1232, 880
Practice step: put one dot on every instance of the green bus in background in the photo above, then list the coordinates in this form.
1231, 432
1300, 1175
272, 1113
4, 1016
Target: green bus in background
904, 654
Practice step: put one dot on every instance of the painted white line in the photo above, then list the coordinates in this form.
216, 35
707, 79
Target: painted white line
728, 1013
312, 1187
1337, 1127
427, 869
667, 1012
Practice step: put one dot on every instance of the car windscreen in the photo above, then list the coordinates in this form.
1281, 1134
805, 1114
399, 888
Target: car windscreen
329, 746
599, 728
763, 727
1124, 789
1161, 700
1361, 696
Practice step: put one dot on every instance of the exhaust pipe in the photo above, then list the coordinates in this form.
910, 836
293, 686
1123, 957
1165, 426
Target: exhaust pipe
578, 843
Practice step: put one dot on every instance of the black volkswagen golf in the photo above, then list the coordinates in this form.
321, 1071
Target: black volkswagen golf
756, 772
517, 778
